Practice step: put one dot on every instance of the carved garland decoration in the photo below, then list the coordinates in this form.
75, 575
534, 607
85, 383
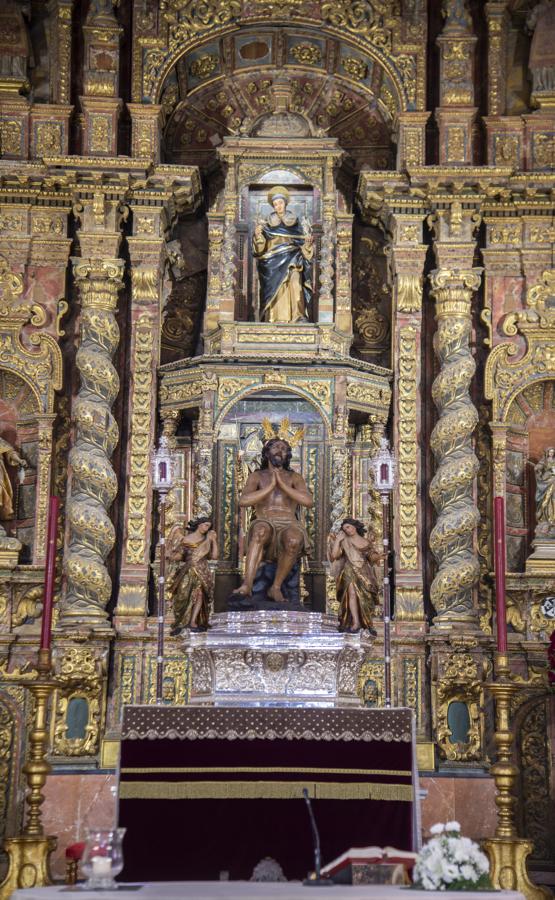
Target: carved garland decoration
408, 447
141, 400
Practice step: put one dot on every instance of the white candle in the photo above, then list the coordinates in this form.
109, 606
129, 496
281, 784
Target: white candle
101, 866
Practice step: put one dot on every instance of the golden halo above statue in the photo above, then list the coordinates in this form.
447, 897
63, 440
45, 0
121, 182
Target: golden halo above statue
278, 191
283, 431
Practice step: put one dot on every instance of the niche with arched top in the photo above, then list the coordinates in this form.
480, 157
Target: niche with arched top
19, 407
530, 431
458, 720
240, 436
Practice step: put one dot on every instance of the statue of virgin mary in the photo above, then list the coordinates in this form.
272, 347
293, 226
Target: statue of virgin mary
284, 252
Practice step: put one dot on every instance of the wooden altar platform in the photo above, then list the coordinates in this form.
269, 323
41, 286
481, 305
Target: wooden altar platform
211, 789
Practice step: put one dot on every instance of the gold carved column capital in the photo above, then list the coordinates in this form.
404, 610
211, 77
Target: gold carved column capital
407, 262
170, 421
452, 290
99, 281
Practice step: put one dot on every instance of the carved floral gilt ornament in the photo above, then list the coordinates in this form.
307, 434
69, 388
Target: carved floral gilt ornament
307, 54
204, 65
459, 702
355, 67
79, 691
507, 371
41, 369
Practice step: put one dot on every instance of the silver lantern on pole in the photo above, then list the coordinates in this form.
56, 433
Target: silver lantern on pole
384, 469
162, 482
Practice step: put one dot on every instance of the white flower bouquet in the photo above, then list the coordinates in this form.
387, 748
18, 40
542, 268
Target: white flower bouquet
449, 862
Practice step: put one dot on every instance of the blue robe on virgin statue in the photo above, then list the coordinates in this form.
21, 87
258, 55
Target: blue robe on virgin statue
284, 267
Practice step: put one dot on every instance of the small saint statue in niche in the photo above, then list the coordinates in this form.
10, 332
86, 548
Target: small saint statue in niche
545, 494
8, 456
541, 22
191, 585
353, 557
283, 249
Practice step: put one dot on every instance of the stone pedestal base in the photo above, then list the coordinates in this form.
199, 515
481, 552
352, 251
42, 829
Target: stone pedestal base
542, 560
9, 551
544, 100
266, 658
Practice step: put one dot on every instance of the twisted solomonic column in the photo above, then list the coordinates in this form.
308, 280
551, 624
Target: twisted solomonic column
452, 487
93, 480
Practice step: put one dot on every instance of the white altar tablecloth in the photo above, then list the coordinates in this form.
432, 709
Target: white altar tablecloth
244, 890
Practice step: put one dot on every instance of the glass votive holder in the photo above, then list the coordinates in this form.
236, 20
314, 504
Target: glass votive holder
102, 858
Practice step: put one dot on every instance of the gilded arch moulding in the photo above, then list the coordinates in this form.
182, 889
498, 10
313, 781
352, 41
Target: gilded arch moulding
508, 372
264, 386
256, 170
376, 28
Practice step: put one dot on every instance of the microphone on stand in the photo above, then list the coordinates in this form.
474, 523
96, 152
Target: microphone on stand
317, 880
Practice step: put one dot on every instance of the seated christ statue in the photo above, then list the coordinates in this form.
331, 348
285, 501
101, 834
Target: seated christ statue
276, 535
283, 252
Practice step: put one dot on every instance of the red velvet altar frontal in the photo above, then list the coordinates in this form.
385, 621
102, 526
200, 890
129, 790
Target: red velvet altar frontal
219, 788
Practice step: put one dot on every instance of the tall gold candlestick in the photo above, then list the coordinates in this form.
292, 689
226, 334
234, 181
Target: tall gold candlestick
29, 852
506, 851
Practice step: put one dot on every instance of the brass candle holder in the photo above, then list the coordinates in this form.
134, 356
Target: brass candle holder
506, 851
29, 852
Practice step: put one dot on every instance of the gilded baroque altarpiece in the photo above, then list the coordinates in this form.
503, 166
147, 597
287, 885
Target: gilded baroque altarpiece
134, 164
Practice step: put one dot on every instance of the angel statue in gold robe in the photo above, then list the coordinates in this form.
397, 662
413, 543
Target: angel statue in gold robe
353, 557
191, 581
283, 249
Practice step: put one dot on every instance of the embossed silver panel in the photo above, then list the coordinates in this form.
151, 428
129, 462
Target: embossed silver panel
269, 658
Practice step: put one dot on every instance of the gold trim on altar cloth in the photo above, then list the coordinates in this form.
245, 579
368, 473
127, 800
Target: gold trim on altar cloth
160, 770
262, 790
